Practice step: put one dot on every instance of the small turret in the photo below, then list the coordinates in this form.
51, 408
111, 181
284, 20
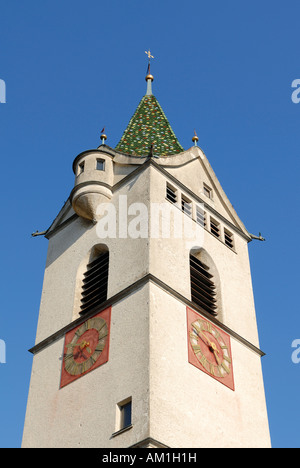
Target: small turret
93, 171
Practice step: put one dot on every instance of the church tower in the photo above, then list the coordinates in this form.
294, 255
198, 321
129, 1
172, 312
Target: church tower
147, 333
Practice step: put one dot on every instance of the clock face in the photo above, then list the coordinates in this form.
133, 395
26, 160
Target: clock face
209, 348
86, 347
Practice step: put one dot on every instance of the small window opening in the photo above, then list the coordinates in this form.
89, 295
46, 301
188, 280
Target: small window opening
186, 206
215, 228
200, 216
100, 166
207, 191
171, 194
125, 411
228, 238
80, 168
124, 415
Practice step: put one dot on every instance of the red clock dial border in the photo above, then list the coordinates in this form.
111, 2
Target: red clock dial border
227, 377
85, 350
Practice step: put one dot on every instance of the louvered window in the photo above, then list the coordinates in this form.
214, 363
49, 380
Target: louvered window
186, 206
203, 290
215, 228
228, 238
200, 216
94, 289
171, 194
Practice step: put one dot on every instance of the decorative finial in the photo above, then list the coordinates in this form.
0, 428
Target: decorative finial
149, 57
195, 138
149, 78
103, 136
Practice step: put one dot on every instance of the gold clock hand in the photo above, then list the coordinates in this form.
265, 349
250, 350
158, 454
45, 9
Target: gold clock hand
210, 344
82, 345
217, 358
206, 341
214, 348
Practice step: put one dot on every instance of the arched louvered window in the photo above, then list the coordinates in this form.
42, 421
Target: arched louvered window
203, 289
95, 281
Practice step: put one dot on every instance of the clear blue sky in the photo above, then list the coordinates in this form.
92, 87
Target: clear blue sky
224, 68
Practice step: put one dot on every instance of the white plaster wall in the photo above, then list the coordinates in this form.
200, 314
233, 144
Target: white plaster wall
83, 413
189, 408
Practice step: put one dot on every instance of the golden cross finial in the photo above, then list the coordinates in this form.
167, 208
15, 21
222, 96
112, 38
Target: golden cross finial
149, 77
149, 54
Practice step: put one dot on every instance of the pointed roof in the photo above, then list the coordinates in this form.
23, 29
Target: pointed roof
149, 130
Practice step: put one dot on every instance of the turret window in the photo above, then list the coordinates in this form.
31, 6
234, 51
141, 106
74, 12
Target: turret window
100, 165
94, 287
80, 168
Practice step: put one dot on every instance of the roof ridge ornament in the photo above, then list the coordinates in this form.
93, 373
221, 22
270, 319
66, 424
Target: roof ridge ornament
195, 138
103, 136
149, 78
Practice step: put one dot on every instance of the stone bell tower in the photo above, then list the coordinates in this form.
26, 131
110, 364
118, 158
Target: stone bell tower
147, 333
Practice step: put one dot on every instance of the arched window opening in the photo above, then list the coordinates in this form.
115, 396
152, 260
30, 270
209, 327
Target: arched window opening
95, 282
203, 288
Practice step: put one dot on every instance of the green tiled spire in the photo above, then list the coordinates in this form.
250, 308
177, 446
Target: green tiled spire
149, 131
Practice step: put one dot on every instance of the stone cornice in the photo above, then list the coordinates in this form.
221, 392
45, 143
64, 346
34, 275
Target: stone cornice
129, 290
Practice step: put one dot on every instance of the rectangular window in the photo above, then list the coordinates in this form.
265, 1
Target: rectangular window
200, 216
123, 416
125, 419
94, 288
214, 227
171, 194
186, 206
228, 238
100, 166
207, 191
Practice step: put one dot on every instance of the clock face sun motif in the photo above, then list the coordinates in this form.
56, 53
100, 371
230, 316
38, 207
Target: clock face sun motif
209, 348
86, 347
